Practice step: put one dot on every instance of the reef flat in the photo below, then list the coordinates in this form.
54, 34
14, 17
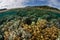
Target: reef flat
30, 23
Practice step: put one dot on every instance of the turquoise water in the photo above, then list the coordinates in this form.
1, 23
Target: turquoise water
3, 14
34, 12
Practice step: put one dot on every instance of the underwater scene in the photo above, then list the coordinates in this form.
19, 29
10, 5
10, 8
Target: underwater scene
30, 23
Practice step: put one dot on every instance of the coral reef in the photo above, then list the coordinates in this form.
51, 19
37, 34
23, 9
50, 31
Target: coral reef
18, 30
30, 24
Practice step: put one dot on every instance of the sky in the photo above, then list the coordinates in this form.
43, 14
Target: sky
23, 3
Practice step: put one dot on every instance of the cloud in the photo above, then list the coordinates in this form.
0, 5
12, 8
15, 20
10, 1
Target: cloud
12, 3
23, 3
20, 3
54, 3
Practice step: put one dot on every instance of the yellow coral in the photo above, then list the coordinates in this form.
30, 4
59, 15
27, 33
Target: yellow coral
37, 32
